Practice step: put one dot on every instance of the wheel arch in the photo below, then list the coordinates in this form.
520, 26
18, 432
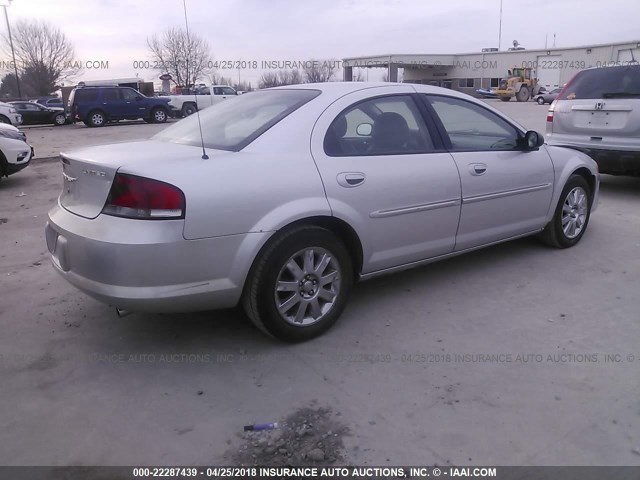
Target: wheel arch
338, 227
568, 162
97, 110
588, 176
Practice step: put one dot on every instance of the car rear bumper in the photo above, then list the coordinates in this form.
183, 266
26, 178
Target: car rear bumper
140, 265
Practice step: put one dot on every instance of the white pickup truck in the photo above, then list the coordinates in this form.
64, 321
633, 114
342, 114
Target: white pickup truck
204, 96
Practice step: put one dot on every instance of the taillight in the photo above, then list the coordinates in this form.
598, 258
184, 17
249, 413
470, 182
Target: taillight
552, 107
138, 197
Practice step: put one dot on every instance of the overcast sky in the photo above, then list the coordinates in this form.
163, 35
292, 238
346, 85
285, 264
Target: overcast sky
116, 30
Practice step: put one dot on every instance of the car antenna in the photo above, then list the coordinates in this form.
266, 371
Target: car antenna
186, 22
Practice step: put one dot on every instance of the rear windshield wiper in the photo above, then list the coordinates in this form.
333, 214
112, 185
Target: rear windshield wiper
620, 94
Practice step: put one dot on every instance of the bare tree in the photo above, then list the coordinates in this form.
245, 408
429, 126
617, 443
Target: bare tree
268, 80
186, 56
319, 71
238, 85
45, 56
290, 77
279, 78
220, 79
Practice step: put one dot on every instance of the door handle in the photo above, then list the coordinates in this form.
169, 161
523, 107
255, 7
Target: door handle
477, 169
350, 179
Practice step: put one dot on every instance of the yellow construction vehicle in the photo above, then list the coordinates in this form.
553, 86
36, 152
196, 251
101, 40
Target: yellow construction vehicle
520, 84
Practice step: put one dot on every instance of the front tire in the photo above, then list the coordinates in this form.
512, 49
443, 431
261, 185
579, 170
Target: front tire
299, 285
505, 99
4, 119
571, 216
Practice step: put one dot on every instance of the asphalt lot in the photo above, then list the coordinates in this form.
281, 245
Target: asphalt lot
48, 141
406, 370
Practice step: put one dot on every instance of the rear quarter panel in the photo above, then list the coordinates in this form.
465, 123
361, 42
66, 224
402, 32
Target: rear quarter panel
270, 183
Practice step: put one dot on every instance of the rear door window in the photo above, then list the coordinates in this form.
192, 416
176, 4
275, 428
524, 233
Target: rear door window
606, 82
82, 95
111, 95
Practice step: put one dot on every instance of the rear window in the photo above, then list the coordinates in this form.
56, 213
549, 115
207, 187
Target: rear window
606, 82
236, 122
82, 95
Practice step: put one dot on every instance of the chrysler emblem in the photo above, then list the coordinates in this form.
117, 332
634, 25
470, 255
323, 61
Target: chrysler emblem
69, 178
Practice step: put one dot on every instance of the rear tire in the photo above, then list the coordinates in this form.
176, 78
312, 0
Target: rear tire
4, 119
59, 119
540, 101
572, 210
189, 109
158, 115
505, 99
96, 119
295, 295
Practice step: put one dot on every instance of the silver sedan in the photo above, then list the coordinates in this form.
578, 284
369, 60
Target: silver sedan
281, 199
547, 97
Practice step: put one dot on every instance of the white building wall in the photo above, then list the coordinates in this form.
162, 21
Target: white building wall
560, 64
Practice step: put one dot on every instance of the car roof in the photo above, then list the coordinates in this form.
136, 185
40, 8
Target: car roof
343, 88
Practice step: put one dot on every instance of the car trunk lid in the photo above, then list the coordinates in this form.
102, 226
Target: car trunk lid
86, 185
89, 173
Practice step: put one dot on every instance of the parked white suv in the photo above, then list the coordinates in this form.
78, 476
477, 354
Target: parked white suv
9, 115
598, 113
15, 152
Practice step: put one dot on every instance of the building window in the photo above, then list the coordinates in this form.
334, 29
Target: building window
466, 82
495, 82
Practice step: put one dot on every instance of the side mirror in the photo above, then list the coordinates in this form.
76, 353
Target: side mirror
532, 140
364, 129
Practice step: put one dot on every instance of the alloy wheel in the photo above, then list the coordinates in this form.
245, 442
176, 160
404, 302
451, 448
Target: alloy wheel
574, 212
307, 286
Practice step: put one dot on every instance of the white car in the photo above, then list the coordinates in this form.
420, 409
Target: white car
9, 115
15, 152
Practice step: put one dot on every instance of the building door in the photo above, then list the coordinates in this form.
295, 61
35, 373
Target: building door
629, 55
